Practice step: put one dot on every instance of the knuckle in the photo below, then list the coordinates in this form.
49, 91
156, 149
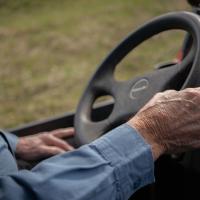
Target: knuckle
46, 138
158, 95
191, 92
168, 94
44, 134
171, 90
56, 151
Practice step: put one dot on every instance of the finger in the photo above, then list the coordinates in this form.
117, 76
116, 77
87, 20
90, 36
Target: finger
47, 151
158, 97
152, 101
62, 133
54, 141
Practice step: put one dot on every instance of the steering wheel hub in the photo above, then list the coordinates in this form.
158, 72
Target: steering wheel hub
138, 87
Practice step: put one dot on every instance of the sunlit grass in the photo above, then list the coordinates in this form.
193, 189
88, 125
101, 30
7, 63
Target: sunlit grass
49, 49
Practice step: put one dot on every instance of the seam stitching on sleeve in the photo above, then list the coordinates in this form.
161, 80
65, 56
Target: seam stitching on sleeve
115, 171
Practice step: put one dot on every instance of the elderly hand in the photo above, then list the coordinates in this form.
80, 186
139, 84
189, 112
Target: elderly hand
170, 121
43, 145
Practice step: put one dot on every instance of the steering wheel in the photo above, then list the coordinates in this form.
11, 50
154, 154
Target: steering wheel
129, 96
194, 3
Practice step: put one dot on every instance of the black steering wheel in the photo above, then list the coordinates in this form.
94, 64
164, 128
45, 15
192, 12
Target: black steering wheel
130, 96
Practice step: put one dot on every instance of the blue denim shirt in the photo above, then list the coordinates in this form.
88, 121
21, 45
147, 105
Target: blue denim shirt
111, 168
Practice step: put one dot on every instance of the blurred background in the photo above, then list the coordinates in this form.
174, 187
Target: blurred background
49, 49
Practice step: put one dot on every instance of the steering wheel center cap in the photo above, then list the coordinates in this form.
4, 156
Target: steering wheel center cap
138, 88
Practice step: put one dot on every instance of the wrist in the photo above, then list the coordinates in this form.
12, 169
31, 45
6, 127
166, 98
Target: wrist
149, 136
20, 148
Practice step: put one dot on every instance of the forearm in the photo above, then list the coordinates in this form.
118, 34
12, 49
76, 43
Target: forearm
112, 167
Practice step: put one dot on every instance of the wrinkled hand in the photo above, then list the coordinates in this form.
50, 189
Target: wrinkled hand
43, 145
170, 121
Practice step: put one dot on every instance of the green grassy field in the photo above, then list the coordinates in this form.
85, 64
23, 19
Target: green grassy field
49, 49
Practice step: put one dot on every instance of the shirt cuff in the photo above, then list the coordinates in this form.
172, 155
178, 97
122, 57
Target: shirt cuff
130, 156
11, 140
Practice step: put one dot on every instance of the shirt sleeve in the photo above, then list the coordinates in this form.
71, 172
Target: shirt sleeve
11, 140
112, 167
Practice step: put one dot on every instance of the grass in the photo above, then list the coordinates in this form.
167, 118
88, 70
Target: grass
49, 49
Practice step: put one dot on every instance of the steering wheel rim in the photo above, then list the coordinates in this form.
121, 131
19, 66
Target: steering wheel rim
102, 82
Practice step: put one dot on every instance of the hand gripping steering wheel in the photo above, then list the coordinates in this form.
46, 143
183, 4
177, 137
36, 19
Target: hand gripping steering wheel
129, 96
